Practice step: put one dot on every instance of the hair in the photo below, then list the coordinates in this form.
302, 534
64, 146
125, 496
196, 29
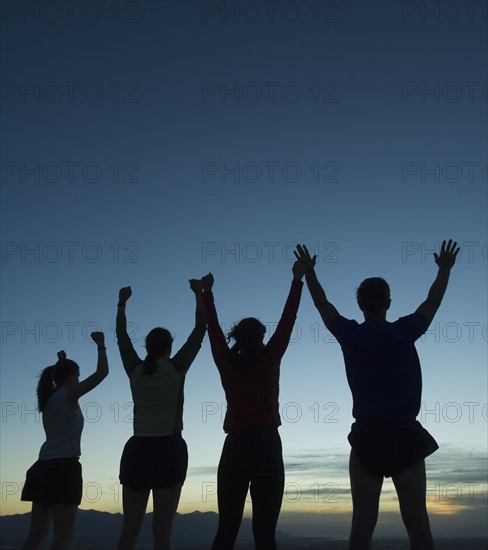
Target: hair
248, 335
158, 342
373, 295
52, 377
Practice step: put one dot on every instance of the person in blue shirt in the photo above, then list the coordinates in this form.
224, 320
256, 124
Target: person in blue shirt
383, 372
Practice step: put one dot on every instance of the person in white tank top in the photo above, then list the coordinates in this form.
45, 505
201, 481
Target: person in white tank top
54, 482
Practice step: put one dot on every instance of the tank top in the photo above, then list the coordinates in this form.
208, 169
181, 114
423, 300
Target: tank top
63, 424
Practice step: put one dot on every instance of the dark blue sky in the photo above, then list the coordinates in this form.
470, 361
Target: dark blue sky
145, 143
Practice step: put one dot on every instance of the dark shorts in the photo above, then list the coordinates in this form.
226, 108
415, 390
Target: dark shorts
154, 462
387, 448
55, 481
252, 454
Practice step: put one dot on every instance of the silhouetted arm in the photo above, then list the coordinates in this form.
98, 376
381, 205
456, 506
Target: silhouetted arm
218, 343
327, 311
445, 261
281, 337
74, 393
128, 354
187, 353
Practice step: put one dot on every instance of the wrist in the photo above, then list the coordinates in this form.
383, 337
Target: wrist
102, 348
121, 304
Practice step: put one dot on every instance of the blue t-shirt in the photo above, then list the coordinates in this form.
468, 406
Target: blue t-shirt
382, 365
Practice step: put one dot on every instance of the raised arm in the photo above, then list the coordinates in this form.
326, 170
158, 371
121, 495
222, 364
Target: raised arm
187, 353
281, 337
327, 311
445, 260
74, 393
129, 356
218, 343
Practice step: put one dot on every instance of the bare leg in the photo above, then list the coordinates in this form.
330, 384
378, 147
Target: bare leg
410, 485
365, 490
39, 526
64, 517
165, 504
134, 503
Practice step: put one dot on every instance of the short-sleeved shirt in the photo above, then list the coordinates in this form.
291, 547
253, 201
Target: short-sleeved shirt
382, 365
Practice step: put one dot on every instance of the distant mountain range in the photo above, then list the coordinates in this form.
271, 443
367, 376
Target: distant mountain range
99, 531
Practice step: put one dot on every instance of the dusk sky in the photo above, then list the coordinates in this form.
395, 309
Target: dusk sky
144, 143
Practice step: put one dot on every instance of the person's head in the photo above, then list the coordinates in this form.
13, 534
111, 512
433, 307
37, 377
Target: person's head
373, 296
63, 373
248, 335
158, 345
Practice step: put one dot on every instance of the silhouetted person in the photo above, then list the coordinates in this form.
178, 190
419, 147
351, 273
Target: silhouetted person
155, 458
54, 483
252, 456
383, 371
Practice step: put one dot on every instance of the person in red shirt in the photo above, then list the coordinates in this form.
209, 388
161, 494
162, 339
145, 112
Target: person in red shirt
252, 457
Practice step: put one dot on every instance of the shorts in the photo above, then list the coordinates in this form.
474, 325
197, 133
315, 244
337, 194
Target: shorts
55, 481
387, 447
154, 462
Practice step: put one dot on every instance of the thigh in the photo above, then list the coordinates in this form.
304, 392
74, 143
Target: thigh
233, 477
232, 487
365, 485
39, 524
134, 504
165, 502
267, 472
64, 517
410, 485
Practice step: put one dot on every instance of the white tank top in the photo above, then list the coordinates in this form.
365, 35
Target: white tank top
63, 424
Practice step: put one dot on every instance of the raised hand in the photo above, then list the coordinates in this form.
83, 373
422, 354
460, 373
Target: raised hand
195, 285
61, 355
207, 282
298, 270
303, 256
124, 294
447, 256
98, 338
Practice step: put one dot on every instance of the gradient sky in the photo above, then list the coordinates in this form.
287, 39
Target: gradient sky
145, 143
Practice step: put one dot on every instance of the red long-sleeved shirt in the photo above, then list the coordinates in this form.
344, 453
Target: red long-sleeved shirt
252, 390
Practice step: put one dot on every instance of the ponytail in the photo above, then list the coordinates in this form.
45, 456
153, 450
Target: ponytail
158, 342
45, 387
150, 364
51, 377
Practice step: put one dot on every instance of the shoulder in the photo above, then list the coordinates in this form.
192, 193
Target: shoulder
414, 324
340, 323
343, 328
414, 320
